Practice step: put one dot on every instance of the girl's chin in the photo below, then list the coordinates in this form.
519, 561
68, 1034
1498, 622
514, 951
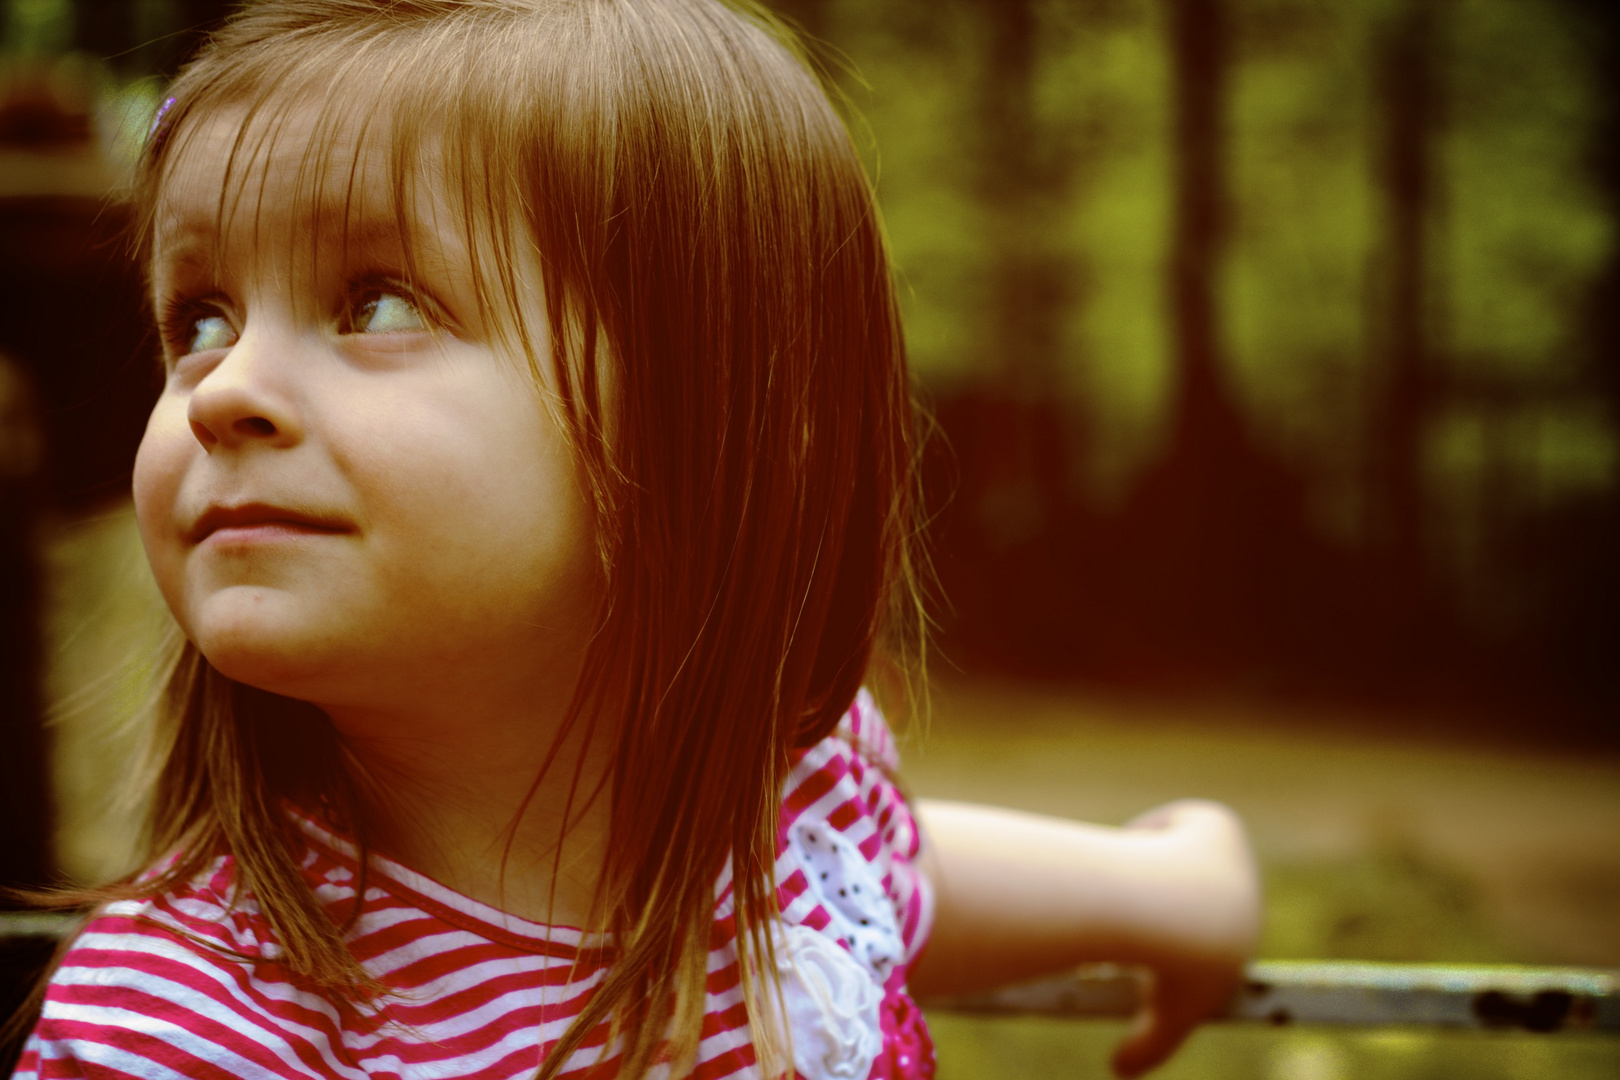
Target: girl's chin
279, 671
299, 661
266, 653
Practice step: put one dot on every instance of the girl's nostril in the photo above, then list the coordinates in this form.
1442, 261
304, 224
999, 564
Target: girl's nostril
255, 425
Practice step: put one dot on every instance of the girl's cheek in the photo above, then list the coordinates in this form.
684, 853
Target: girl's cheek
150, 484
160, 464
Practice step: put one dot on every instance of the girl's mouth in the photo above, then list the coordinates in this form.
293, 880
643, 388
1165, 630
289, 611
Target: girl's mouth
248, 522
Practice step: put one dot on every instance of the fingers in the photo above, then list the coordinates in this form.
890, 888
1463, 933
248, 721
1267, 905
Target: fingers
1153, 1037
1174, 1004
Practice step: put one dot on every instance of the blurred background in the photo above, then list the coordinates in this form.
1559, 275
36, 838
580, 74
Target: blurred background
1272, 348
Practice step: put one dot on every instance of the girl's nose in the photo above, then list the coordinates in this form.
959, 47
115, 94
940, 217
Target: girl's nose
243, 400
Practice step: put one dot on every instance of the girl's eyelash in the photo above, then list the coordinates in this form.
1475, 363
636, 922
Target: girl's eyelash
179, 319
369, 288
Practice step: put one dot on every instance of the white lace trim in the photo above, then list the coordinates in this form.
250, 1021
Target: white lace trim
832, 1006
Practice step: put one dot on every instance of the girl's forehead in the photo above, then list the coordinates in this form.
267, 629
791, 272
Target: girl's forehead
303, 172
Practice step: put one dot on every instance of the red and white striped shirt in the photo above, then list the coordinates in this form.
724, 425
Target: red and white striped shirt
189, 984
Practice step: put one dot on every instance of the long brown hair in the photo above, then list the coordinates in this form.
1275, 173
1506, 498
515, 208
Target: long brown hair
726, 350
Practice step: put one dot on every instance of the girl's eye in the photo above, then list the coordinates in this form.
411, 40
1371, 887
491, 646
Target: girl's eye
206, 333
386, 313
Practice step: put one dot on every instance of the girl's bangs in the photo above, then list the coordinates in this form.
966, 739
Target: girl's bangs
378, 136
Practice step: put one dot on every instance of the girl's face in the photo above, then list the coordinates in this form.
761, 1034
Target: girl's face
349, 492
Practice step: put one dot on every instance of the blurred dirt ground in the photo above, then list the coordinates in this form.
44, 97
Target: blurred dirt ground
1376, 841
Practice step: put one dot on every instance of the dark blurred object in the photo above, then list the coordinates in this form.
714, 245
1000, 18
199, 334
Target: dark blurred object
23, 959
43, 105
73, 317
78, 325
1580, 547
144, 38
25, 818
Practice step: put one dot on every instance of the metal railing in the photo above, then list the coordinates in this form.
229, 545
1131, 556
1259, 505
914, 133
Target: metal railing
1545, 1000
1278, 992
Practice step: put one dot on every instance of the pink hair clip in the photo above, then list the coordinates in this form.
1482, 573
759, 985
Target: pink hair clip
157, 120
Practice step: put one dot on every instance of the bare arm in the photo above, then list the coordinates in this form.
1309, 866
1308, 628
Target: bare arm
1019, 895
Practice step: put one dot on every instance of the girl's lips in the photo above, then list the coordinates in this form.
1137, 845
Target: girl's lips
264, 532
252, 521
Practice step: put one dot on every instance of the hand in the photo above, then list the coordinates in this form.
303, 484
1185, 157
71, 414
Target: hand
1019, 896
1197, 972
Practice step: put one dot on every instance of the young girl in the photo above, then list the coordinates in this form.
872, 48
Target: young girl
532, 485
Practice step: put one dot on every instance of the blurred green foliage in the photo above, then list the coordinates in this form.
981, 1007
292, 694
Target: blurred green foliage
38, 26
1518, 229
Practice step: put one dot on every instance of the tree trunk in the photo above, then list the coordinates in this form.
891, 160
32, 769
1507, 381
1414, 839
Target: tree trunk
1198, 46
1408, 104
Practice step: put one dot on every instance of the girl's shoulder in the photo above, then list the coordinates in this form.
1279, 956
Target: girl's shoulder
210, 915
166, 986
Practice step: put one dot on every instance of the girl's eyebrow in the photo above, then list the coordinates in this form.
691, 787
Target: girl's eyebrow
433, 248
189, 245
193, 243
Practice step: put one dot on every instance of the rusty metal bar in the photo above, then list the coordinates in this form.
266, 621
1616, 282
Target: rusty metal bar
1281, 992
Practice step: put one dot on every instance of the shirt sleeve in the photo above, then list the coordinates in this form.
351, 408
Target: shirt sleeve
848, 846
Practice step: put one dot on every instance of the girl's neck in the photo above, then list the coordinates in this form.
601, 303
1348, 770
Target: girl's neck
452, 794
